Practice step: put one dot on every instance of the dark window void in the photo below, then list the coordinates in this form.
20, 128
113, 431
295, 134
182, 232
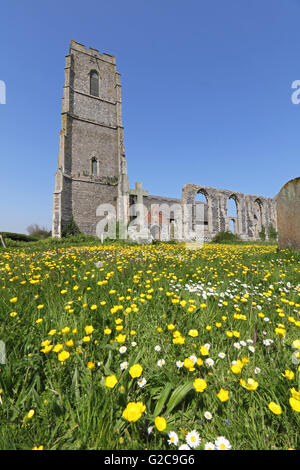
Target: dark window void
94, 83
94, 167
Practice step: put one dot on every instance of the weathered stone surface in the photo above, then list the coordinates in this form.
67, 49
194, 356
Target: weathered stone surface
91, 130
253, 212
92, 170
288, 215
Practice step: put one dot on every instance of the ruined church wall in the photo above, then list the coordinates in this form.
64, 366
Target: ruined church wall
252, 212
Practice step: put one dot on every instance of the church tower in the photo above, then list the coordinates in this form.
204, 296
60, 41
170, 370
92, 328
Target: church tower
91, 162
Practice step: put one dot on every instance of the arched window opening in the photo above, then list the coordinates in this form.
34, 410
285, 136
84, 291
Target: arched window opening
258, 212
232, 226
232, 207
94, 167
160, 218
200, 210
94, 83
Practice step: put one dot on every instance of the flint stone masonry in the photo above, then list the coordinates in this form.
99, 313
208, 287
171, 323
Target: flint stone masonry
253, 212
92, 170
91, 129
288, 215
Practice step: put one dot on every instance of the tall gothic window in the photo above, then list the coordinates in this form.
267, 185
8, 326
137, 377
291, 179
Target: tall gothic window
94, 83
94, 167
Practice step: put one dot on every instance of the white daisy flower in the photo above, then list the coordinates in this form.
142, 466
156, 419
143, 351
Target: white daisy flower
161, 362
123, 365
133, 344
179, 364
208, 415
257, 370
237, 345
122, 349
184, 447
173, 438
99, 264
243, 343
193, 359
141, 382
157, 348
221, 355
251, 348
209, 362
193, 439
209, 446
222, 443
207, 346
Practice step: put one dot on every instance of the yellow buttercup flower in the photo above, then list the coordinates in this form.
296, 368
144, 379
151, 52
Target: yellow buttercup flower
30, 414
193, 333
288, 374
281, 332
296, 343
188, 364
204, 351
63, 356
237, 368
178, 340
275, 408
295, 404
294, 393
134, 411
121, 338
160, 423
251, 384
47, 348
136, 371
200, 385
223, 395
111, 381
88, 329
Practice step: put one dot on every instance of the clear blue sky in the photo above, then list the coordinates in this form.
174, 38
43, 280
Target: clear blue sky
206, 94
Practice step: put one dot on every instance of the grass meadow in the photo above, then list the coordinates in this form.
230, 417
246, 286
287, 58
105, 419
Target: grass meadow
150, 347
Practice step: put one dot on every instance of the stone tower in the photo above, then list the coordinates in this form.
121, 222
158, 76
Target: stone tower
91, 162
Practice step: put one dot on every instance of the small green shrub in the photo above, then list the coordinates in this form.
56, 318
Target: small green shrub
262, 233
223, 237
272, 233
20, 237
71, 228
